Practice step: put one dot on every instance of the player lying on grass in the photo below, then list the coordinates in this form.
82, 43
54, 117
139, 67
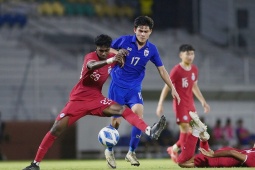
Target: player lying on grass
86, 98
224, 157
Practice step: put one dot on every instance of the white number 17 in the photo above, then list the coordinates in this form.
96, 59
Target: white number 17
135, 60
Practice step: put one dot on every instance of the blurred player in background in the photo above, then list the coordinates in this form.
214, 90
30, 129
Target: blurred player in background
126, 84
184, 77
224, 157
86, 98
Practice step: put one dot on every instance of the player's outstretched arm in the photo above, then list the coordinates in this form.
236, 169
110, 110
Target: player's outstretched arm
224, 153
165, 76
163, 95
119, 58
200, 97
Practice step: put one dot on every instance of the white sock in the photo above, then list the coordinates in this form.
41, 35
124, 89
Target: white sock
37, 163
148, 131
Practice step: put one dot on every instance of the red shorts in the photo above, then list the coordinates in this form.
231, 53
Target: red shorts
182, 115
80, 108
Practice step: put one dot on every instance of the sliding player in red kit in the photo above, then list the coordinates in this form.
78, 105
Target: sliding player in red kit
224, 157
86, 98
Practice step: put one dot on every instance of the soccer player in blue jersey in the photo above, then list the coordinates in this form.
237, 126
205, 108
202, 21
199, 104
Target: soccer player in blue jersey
126, 84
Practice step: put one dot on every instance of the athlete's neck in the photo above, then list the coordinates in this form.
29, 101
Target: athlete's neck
140, 44
185, 66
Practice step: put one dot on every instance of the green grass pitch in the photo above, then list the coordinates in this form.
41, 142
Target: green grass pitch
146, 164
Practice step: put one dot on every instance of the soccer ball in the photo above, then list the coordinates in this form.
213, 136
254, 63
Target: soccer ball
108, 136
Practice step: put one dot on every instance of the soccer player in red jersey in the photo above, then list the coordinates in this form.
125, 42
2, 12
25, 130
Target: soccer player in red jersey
185, 79
86, 98
224, 157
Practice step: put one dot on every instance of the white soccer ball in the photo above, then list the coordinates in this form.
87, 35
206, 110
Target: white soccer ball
108, 136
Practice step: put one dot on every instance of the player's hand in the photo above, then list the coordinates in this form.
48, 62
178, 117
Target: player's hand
209, 153
206, 107
120, 57
175, 95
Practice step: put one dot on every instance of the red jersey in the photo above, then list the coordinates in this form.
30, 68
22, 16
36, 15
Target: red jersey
91, 81
183, 81
204, 161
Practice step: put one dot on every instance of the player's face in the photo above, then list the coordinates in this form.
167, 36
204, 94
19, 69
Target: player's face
102, 52
187, 57
142, 34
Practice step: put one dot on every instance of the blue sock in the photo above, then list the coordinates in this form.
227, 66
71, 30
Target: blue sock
135, 138
110, 148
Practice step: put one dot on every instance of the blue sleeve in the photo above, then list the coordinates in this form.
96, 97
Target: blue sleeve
156, 58
117, 43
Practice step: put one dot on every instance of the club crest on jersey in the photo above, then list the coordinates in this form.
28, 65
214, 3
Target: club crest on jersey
146, 52
193, 77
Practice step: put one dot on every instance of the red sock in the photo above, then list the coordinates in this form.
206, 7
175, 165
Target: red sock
188, 149
204, 145
46, 143
182, 139
134, 119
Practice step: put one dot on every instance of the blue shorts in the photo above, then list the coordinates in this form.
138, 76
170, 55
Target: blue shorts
125, 96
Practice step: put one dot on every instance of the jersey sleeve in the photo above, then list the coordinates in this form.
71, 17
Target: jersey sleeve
173, 74
156, 58
89, 57
117, 43
196, 71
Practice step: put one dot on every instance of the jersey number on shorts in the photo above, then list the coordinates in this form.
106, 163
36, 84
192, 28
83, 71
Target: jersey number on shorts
106, 101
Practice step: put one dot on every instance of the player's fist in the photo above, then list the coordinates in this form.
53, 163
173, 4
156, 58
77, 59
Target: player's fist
120, 57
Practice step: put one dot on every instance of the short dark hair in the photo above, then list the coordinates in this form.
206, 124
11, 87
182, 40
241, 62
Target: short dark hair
103, 40
144, 20
186, 47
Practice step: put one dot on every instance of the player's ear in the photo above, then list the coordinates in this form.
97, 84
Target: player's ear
134, 29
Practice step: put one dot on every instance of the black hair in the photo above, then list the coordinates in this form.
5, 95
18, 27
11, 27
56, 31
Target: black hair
103, 40
144, 20
186, 47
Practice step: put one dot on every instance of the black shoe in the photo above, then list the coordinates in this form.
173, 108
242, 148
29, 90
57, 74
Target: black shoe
157, 128
33, 166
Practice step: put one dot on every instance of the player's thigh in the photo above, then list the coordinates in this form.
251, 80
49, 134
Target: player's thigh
117, 93
78, 109
138, 109
114, 109
134, 97
74, 110
184, 127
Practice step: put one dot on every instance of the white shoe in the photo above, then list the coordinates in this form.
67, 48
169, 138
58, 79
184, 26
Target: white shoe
204, 136
131, 157
198, 122
110, 159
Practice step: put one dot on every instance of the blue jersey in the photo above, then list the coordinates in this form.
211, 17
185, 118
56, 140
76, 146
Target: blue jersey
133, 72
